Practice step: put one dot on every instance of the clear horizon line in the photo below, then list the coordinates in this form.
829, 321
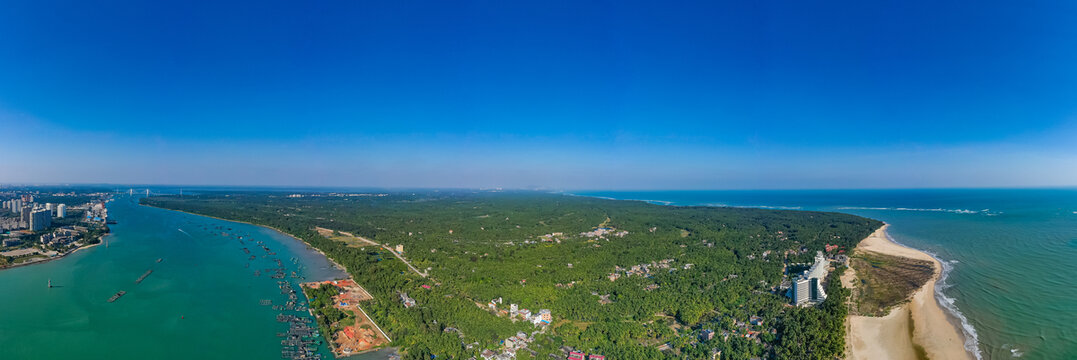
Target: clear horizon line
529, 188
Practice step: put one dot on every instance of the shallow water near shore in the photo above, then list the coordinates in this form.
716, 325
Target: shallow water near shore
1008, 254
201, 301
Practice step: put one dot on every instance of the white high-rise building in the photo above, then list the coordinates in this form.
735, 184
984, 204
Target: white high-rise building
808, 287
61, 210
801, 291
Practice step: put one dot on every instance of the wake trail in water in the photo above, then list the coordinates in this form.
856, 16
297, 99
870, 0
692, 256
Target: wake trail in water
185, 233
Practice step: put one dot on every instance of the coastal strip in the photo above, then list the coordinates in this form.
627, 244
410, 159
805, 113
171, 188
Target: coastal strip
917, 328
51, 258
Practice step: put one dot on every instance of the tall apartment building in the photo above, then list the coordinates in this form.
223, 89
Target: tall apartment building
40, 219
24, 215
61, 210
808, 287
13, 205
801, 291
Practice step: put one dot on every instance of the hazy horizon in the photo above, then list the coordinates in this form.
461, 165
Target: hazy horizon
338, 188
615, 96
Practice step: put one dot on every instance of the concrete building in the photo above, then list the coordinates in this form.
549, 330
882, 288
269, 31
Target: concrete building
807, 288
24, 215
61, 210
40, 219
820, 268
801, 291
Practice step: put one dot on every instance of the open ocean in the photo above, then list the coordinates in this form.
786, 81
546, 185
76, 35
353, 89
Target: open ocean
1010, 255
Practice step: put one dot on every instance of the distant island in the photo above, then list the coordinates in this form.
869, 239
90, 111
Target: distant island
486, 274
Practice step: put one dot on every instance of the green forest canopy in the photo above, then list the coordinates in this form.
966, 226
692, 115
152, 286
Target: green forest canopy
483, 245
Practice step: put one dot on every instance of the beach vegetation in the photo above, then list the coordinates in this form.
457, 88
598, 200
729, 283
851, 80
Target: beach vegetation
886, 281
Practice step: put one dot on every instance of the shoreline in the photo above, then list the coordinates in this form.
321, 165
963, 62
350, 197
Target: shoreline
921, 322
309, 246
331, 261
58, 257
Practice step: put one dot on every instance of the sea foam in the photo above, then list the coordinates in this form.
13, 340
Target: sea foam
954, 211
769, 207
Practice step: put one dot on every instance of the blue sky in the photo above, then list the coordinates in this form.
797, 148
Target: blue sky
568, 95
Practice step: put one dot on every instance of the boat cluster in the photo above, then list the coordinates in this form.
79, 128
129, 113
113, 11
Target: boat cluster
302, 339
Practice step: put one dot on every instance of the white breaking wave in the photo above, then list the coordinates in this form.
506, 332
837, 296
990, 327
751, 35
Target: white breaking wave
955, 211
771, 207
972, 340
656, 202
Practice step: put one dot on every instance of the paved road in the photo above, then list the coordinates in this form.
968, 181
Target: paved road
383, 246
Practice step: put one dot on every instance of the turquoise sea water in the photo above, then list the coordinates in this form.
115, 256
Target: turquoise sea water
202, 301
1011, 255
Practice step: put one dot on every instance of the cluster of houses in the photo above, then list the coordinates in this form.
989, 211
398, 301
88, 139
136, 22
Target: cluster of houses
748, 330
602, 299
334, 195
407, 300
642, 269
602, 232
97, 213
576, 355
10, 241
509, 347
553, 237
568, 285
63, 236
541, 318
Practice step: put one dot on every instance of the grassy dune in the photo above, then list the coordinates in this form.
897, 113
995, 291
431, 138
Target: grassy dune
886, 281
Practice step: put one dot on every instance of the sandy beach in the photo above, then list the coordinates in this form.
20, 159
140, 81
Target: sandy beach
888, 337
